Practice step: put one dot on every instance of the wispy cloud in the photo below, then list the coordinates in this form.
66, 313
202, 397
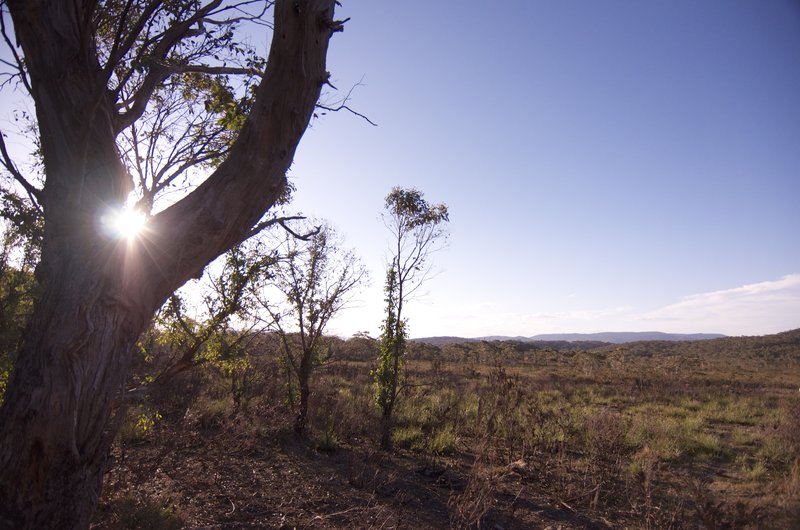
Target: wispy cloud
757, 308
753, 309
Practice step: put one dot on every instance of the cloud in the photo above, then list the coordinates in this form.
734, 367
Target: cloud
753, 309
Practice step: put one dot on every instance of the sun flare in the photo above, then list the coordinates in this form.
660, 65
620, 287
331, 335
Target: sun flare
126, 223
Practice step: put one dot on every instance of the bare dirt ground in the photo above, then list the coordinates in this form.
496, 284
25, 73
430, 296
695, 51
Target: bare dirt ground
226, 480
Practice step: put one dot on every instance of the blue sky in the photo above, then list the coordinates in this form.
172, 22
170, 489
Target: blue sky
608, 165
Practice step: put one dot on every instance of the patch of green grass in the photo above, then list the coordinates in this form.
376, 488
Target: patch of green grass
689, 404
701, 444
675, 438
735, 410
444, 441
757, 472
744, 436
656, 434
409, 437
679, 412
594, 396
775, 452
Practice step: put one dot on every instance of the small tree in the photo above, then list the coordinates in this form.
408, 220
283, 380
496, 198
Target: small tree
20, 246
226, 297
316, 278
418, 229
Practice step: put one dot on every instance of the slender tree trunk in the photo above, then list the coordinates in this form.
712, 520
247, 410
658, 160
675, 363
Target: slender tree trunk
387, 418
236, 392
386, 429
303, 376
97, 295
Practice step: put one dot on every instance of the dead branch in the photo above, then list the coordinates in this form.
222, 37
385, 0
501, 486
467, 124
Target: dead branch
342, 104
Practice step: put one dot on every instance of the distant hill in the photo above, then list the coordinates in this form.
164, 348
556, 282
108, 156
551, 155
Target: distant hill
606, 337
441, 341
626, 336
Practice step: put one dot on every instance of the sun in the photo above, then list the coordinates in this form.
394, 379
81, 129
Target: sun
125, 223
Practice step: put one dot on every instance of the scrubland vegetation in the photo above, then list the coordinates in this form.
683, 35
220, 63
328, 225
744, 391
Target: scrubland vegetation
487, 435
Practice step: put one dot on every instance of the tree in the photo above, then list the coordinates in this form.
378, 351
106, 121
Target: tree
94, 69
208, 332
418, 229
21, 234
316, 279
226, 296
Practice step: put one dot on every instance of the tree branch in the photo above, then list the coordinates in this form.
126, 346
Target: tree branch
211, 70
342, 105
18, 64
303, 237
263, 225
158, 73
120, 49
246, 17
34, 193
348, 109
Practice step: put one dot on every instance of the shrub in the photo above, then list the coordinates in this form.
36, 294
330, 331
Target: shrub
139, 423
605, 436
328, 442
211, 413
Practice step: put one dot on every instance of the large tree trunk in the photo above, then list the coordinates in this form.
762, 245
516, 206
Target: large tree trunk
97, 295
68, 380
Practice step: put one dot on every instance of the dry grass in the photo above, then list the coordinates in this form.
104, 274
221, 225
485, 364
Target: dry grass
592, 439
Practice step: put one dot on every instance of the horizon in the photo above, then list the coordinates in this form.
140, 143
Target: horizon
654, 332
533, 338
737, 312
